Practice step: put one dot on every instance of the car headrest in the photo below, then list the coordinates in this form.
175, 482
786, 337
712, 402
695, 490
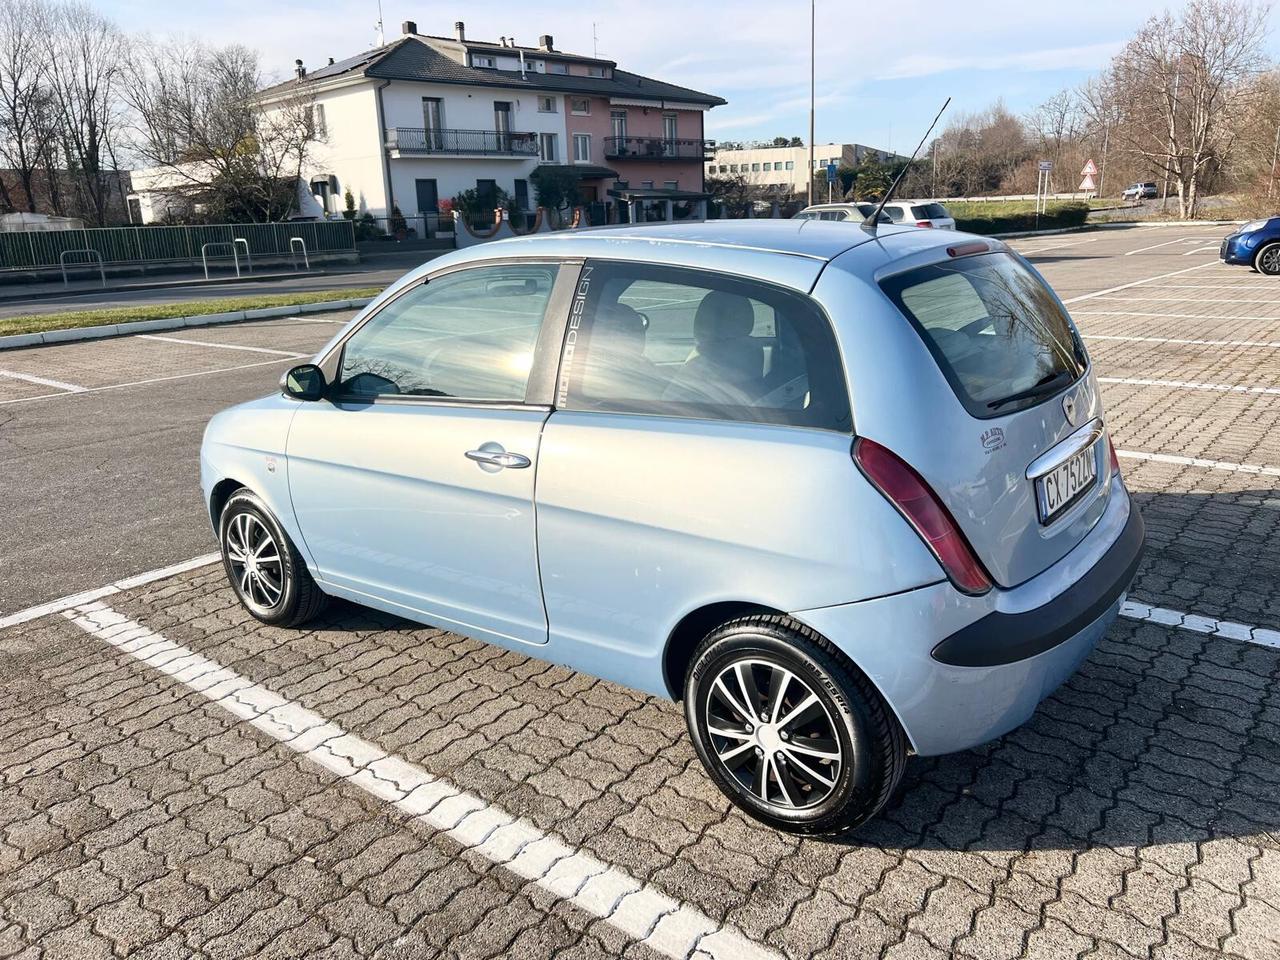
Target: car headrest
723, 316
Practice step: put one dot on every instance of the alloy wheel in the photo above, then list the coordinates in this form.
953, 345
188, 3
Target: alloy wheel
1269, 262
254, 556
773, 734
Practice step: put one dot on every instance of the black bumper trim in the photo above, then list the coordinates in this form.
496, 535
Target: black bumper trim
1000, 638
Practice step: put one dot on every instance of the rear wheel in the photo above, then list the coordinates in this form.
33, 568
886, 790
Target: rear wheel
268, 575
789, 730
1268, 260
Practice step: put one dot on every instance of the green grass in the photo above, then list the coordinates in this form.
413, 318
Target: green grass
41, 322
1006, 208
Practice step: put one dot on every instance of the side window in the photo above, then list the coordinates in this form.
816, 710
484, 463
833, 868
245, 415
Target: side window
667, 341
468, 335
894, 212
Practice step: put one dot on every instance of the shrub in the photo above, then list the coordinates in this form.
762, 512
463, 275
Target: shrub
1000, 219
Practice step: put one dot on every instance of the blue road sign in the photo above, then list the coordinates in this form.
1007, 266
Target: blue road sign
831, 173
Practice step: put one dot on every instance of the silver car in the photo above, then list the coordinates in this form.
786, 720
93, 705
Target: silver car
846, 495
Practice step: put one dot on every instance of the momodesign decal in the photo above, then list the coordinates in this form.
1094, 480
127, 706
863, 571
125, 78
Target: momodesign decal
571, 339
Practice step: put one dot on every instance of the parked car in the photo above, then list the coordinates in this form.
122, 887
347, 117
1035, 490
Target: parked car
1256, 244
679, 457
856, 212
1140, 191
921, 213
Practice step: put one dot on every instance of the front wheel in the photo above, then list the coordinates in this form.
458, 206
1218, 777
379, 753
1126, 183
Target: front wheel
269, 577
1268, 260
789, 730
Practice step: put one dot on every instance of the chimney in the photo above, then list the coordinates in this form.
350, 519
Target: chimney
331, 61
408, 28
460, 31
544, 41
299, 70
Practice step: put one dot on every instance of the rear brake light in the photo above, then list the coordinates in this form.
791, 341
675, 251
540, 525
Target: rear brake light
1115, 460
907, 491
924, 223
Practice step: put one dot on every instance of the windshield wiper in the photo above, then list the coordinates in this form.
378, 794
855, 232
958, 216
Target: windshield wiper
1046, 384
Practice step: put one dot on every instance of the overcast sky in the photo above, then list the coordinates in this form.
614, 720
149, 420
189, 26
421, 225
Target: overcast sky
882, 68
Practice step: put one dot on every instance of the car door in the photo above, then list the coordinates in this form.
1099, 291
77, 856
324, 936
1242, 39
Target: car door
412, 481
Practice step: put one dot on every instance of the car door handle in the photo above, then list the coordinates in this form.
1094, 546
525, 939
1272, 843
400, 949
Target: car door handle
499, 458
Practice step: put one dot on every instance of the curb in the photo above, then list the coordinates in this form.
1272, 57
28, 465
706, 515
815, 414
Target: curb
1114, 226
13, 341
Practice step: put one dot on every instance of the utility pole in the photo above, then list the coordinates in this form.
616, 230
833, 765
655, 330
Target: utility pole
813, 35
1102, 172
1275, 157
933, 176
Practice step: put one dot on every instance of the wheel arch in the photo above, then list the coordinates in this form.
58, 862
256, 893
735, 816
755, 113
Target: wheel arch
219, 495
690, 630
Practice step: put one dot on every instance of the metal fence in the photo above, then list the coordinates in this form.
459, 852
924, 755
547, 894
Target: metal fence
155, 244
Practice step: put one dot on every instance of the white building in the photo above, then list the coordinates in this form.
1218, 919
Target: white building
421, 119
785, 169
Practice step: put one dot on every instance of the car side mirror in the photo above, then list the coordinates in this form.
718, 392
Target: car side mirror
304, 382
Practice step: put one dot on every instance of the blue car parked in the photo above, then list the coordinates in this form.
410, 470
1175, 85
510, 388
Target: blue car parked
1256, 244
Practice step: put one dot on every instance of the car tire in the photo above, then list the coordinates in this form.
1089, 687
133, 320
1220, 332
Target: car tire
265, 570
1268, 260
821, 769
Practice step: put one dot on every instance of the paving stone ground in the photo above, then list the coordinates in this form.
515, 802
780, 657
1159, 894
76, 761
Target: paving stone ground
1136, 815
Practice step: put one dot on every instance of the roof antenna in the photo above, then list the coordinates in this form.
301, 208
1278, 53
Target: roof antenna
381, 36
874, 218
595, 42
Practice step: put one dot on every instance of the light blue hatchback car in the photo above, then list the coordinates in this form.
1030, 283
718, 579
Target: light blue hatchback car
846, 493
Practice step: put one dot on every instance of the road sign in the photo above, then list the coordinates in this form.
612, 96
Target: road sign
1087, 183
1090, 170
831, 173
1046, 166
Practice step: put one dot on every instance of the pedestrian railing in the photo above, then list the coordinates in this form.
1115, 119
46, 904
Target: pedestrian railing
120, 246
232, 246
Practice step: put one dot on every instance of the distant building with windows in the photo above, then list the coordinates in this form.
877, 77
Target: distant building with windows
417, 121
784, 169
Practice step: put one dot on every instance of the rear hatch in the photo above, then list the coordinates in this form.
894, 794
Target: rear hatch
1020, 457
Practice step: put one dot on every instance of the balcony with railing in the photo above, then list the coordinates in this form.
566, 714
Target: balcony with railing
658, 148
422, 142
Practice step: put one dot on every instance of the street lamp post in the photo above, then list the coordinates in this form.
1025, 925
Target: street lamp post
813, 33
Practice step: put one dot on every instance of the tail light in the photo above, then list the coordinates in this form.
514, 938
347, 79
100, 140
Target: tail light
1115, 460
924, 223
908, 492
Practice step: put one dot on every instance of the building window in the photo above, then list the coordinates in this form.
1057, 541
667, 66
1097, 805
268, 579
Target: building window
546, 104
618, 118
595, 71
669, 126
479, 61
791, 165
580, 105
548, 148
646, 184
582, 148
557, 68
318, 122
755, 168
671, 184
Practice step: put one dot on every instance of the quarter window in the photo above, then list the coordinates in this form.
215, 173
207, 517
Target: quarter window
667, 341
468, 335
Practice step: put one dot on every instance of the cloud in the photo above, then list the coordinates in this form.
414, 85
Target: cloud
1089, 56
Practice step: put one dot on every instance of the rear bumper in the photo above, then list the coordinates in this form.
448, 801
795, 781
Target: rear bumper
1024, 642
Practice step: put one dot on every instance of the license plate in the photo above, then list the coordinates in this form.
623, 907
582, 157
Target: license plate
1067, 483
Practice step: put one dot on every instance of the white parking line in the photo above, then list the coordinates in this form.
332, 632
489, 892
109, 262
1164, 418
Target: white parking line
1213, 246
142, 383
43, 382
128, 583
1167, 243
1194, 622
1052, 245
1251, 468
1138, 283
1217, 299
1168, 316
221, 346
636, 908
1197, 343
1190, 385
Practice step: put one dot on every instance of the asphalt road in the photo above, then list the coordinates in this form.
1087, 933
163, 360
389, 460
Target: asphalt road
180, 781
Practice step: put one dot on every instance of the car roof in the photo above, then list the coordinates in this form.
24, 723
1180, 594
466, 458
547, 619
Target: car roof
787, 252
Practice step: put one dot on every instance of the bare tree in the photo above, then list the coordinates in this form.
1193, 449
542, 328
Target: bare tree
86, 54
1182, 82
26, 120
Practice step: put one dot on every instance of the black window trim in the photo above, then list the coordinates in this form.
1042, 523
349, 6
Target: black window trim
564, 369
546, 356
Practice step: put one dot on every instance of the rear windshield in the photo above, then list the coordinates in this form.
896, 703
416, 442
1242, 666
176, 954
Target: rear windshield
937, 211
996, 332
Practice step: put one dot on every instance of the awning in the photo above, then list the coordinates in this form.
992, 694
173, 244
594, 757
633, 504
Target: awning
655, 193
583, 171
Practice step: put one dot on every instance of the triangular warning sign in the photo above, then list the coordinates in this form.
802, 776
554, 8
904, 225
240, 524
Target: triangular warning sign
1087, 183
1090, 170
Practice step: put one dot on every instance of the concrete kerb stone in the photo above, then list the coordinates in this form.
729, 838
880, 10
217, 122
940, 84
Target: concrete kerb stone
16, 340
1115, 226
